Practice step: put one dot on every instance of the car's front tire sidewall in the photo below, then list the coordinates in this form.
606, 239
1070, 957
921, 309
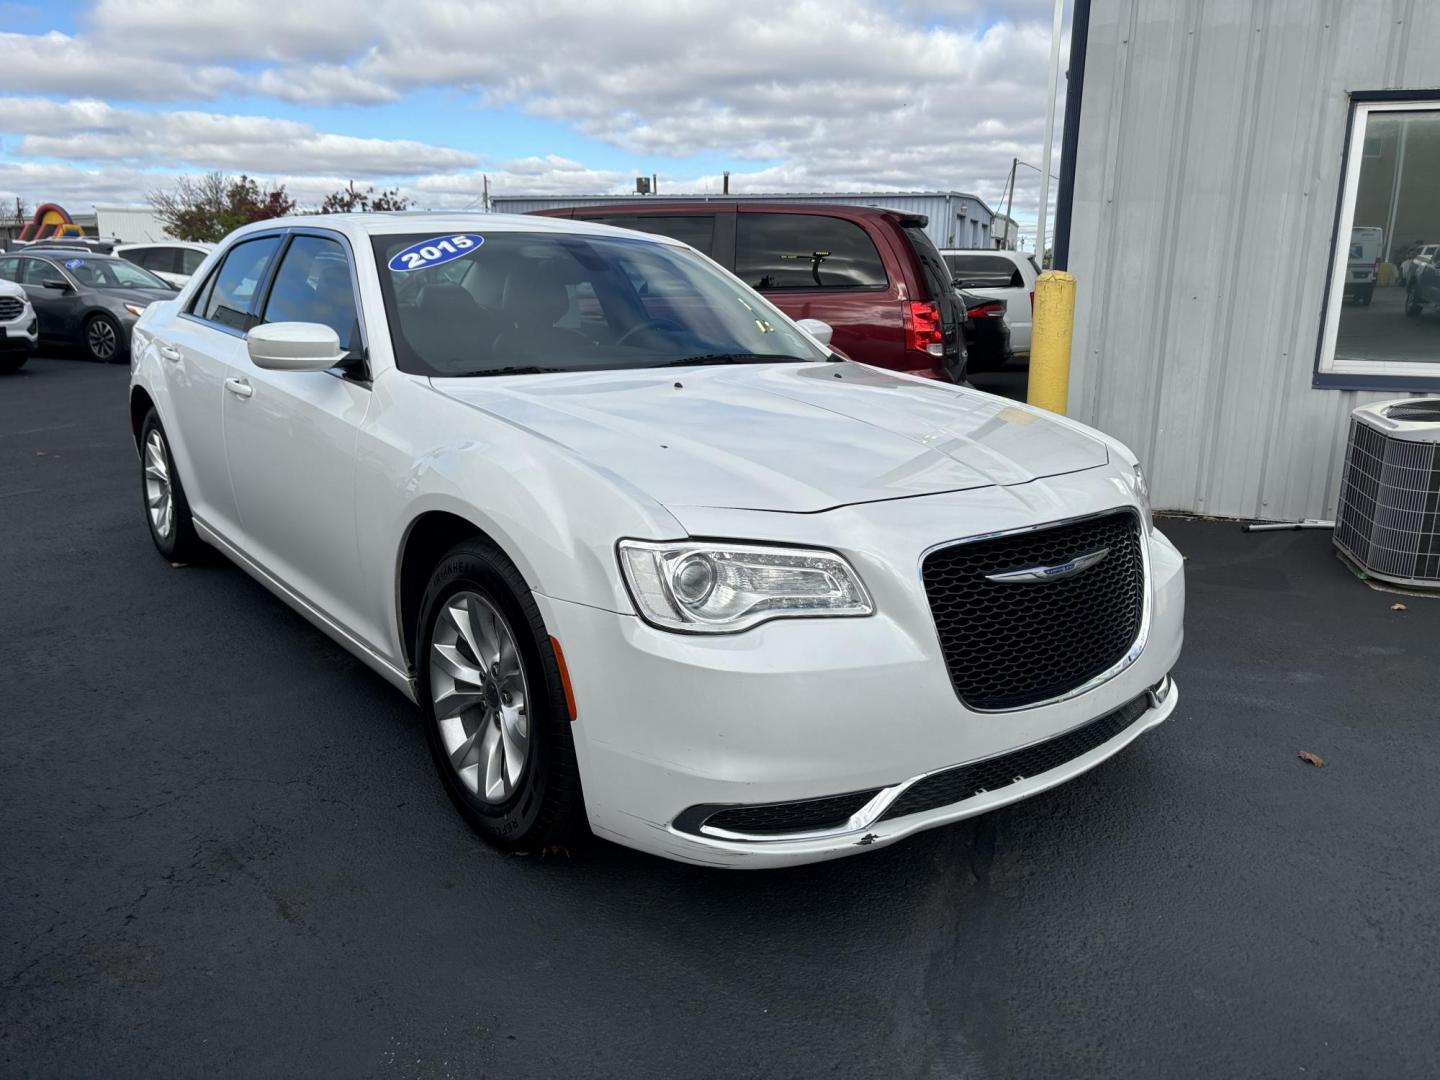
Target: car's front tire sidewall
181, 544
118, 354
544, 808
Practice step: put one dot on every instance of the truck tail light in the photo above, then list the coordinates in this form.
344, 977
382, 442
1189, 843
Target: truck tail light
922, 327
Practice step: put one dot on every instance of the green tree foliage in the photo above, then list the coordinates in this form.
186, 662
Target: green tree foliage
350, 199
206, 208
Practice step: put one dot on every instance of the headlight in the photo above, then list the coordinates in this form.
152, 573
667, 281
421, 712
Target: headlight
136, 309
718, 588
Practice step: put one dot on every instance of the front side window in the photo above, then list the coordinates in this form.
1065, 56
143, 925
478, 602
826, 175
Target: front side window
38, 271
805, 251
537, 302
313, 285
697, 230
230, 298
1381, 326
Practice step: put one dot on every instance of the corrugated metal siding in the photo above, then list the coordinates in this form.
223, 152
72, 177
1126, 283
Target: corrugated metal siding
1208, 169
957, 219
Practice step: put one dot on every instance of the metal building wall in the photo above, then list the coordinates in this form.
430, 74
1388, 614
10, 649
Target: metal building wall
957, 219
135, 224
1208, 169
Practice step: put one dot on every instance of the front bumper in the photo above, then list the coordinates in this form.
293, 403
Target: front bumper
808, 709
20, 334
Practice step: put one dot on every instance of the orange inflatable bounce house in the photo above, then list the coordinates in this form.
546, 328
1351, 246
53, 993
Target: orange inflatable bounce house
50, 221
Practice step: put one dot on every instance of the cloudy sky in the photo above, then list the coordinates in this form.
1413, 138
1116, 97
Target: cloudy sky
102, 102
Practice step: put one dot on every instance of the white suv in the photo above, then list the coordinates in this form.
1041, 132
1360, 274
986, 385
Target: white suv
1004, 275
17, 327
172, 260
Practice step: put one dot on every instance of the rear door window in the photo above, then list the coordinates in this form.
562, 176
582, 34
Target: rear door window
937, 274
806, 251
190, 260
231, 297
164, 260
985, 271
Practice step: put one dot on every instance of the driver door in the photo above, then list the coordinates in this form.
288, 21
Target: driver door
290, 438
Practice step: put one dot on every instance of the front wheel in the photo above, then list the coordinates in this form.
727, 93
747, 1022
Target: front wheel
167, 511
1413, 303
102, 339
496, 714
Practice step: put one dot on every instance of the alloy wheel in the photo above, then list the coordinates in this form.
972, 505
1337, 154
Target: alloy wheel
159, 503
480, 697
100, 337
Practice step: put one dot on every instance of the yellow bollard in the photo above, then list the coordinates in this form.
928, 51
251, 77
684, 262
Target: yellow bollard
1054, 324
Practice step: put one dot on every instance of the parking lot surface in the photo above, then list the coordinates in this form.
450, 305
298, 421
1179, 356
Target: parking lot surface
225, 853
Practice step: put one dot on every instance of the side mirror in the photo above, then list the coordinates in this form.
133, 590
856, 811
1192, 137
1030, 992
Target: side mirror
820, 331
294, 346
56, 283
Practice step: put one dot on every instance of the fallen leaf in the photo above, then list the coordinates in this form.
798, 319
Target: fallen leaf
1398, 607
1312, 759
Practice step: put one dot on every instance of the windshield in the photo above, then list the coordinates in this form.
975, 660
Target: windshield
525, 303
105, 273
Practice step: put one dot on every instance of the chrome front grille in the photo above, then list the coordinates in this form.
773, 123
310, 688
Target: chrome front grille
10, 308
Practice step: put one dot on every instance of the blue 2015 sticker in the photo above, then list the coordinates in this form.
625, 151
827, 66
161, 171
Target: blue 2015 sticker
74, 264
433, 252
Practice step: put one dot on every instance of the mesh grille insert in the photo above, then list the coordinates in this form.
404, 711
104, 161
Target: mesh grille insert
964, 781
1008, 645
10, 308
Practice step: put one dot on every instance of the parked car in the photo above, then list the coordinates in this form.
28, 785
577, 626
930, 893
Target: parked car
173, 260
986, 331
621, 527
84, 299
1363, 264
1424, 287
1423, 255
17, 327
1004, 275
871, 274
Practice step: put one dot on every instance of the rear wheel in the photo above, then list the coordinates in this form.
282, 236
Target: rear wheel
1413, 304
102, 339
167, 511
497, 717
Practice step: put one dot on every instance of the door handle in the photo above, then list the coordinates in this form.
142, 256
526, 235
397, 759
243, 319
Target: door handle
239, 387
169, 352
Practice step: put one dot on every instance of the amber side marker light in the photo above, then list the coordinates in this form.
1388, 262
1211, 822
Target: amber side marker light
564, 677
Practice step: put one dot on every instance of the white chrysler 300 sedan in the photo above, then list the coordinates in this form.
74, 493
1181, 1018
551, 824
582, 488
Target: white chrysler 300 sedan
648, 555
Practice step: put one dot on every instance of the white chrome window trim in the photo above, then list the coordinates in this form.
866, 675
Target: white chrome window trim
1147, 603
1334, 296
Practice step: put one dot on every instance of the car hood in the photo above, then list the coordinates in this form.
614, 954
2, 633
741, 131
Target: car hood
138, 296
9, 288
799, 438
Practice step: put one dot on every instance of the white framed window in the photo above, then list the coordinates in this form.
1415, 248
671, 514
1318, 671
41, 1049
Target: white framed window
1381, 323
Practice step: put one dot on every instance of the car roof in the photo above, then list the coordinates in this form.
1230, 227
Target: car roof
405, 222
69, 252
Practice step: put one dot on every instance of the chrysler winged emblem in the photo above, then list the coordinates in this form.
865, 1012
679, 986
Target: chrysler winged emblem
1034, 574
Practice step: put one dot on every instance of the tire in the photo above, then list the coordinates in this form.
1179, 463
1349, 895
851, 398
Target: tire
1413, 304
1366, 297
12, 362
103, 340
173, 533
470, 724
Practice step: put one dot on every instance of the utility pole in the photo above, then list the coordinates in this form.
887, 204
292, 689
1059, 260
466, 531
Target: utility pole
1010, 206
1049, 131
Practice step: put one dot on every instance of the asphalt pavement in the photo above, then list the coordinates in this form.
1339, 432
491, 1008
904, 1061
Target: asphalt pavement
223, 851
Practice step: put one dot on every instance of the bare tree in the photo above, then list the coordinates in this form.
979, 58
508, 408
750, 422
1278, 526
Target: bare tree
207, 207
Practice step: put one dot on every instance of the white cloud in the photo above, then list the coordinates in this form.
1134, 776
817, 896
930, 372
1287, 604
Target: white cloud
89, 130
812, 95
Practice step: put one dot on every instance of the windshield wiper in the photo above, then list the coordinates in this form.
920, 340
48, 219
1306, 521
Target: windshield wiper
732, 358
529, 370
